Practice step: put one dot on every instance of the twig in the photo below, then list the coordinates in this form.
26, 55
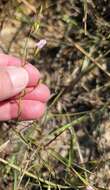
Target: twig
91, 58
31, 7
85, 17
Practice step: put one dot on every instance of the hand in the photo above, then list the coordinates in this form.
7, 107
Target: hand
28, 104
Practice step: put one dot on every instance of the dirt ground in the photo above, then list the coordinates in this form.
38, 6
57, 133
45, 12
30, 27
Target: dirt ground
75, 64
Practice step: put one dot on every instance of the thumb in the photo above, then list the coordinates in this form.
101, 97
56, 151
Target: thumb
12, 81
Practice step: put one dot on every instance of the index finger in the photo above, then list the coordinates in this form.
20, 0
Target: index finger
33, 72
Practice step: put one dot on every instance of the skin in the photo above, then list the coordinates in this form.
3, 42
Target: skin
29, 104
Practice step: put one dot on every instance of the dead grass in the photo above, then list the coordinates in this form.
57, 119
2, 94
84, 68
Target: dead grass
70, 147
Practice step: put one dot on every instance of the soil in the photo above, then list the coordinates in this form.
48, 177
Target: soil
62, 64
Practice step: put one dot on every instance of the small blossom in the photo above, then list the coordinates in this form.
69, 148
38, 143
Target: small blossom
89, 188
41, 43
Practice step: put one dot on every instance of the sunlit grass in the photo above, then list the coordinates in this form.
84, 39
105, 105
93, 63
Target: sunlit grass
37, 158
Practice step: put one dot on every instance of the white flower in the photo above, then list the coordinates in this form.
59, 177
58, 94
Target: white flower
41, 43
89, 188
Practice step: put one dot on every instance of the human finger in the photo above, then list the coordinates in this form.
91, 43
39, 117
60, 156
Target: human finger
33, 72
12, 81
39, 93
27, 110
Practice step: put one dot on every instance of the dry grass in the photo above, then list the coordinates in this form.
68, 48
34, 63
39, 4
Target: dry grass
70, 147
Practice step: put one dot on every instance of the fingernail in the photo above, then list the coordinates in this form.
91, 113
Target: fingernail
19, 78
